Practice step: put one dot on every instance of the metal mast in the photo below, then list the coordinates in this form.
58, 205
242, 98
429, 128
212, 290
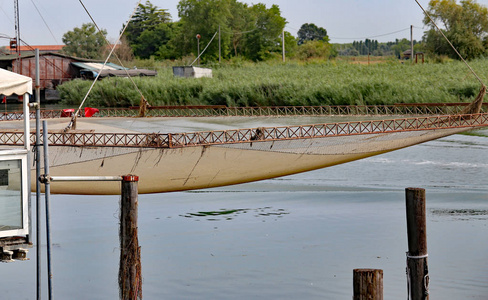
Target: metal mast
17, 35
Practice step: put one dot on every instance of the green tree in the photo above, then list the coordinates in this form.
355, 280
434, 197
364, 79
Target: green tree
203, 17
84, 42
266, 37
310, 32
315, 49
123, 51
400, 46
240, 22
464, 24
291, 45
148, 30
151, 41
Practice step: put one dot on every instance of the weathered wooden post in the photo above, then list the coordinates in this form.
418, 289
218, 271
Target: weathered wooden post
417, 268
368, 284
130, 275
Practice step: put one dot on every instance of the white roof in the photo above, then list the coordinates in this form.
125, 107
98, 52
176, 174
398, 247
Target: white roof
13, 83
99, 66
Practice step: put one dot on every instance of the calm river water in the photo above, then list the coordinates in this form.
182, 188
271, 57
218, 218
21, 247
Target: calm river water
298, 237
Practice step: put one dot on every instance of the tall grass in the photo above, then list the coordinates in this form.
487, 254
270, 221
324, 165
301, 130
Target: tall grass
295, 83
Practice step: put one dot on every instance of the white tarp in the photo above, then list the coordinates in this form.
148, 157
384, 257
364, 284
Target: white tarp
13, 83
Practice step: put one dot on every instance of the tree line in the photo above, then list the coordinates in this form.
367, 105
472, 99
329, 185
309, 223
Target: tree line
375, 48
254, 32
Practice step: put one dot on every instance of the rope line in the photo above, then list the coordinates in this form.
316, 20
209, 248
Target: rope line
73, 119
204, 49
452, 46
115, 54
417, 257
425, 280
45, 23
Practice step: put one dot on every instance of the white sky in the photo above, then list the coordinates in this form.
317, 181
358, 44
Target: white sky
343, 19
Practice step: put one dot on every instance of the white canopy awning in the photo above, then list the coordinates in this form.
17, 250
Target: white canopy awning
13, 83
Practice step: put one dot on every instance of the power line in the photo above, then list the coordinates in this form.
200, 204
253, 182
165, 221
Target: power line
370, 37
45, 23
242, 32
291, 28
6, 15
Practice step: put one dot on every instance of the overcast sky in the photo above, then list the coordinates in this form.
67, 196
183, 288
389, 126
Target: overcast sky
345, 20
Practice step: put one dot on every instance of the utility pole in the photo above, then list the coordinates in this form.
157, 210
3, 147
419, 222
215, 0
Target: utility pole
198, 48
283, 42
220, 46
411, 43
17, 35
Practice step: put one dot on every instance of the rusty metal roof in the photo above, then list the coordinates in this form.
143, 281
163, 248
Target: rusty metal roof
11, 57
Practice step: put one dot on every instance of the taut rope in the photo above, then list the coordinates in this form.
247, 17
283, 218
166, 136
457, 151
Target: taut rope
72, 123
475, 106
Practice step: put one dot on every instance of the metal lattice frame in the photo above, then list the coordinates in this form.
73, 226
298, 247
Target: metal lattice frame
154, 140
345, 110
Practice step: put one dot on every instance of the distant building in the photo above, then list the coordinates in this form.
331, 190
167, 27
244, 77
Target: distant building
407, 54
42, 49
54, 68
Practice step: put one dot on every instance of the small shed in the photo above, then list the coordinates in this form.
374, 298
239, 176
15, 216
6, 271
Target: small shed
407, 54
192, 72
14, 180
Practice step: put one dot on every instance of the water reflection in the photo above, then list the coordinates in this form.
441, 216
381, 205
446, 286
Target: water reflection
230, 214
462, 214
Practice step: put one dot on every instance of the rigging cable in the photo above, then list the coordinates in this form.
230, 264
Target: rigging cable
205, 48
45, 23
73, 119
452, 46
6, 15
108, 43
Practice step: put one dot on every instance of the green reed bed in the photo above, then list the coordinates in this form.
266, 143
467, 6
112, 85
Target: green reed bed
264, 84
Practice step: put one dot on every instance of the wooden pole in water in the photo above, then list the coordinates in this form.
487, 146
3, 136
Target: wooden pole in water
368, 284
130, 275
417, 268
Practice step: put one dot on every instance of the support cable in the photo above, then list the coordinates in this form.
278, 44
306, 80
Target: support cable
43, 20
116, 56
452, 46
72, 123
205, 48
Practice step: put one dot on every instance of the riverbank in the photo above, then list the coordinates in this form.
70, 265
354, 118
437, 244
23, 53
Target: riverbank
273, 84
